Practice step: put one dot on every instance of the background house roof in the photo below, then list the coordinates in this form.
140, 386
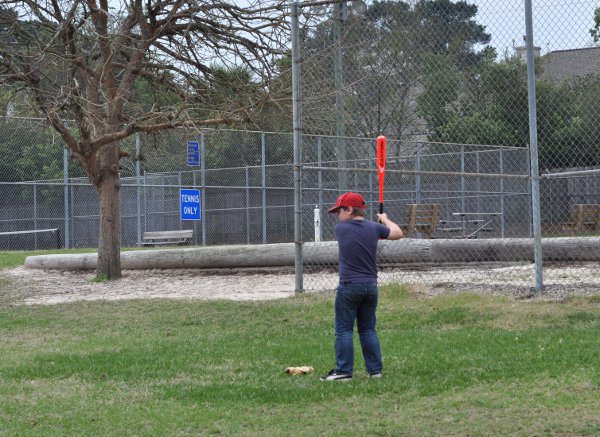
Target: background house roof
561, 64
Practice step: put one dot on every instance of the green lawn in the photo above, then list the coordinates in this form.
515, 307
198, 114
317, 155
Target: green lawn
16, 257
459, 365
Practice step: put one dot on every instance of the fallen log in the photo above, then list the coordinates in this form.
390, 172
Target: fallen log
403, 251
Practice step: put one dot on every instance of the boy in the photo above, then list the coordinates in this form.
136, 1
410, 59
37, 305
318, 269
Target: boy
357, 293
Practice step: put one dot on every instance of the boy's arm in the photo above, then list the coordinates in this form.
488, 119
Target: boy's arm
395, 231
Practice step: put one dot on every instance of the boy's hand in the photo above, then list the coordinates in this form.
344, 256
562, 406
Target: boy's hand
395, 231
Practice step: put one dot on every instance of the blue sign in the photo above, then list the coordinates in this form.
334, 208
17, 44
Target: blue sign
193, 153
190, 204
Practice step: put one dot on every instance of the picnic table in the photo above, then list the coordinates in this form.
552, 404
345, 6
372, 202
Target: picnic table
469, 224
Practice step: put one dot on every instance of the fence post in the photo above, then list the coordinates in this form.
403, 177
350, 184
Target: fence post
462, 178
163, 209
195, 222
247, 206
370, 151
264, 186
35, 239
529, 194
72, 215
66, 194
203, 185
478, 183
533, 149
418, 175
138, 193
320, 178
179, 181
340, 10
502, 222
145, 202
297, 126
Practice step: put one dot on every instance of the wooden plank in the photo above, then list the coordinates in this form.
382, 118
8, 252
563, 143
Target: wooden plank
164, 238
422, 217
163, 242
585, 216
187, 233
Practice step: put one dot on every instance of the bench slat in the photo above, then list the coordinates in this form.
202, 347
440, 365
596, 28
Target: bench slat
163, 243
176, 237
188, 233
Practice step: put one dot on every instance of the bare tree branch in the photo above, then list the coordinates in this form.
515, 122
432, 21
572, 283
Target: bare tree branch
137, 67
82, 60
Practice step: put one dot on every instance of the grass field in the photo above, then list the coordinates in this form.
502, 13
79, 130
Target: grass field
454, 365
16, 257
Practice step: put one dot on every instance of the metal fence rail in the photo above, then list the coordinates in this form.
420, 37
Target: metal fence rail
501, 134
482, 192
245, 203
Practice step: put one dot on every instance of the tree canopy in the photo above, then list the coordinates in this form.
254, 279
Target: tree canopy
138, 68
383, 55
100, 71
489, 106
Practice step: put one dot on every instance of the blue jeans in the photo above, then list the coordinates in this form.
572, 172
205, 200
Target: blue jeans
356, 302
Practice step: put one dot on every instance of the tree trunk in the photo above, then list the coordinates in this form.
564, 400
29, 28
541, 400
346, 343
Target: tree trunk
402, 253
109, 241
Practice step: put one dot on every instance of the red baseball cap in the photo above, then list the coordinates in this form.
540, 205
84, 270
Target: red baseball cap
348, 199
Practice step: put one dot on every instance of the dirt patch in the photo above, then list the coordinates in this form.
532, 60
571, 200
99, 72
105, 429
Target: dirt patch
48, 287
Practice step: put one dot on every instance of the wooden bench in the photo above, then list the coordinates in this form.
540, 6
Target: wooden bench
167, 238
421, 218
469, 224
586, 217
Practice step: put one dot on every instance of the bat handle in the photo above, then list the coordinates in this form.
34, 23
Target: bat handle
381, 208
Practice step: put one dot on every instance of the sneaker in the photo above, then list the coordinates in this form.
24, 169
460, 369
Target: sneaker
375, 375
332, 376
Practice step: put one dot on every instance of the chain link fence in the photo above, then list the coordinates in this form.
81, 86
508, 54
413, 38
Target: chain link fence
245, 179
445, 82
448, 83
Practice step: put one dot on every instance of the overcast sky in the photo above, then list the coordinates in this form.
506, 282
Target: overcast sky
557, 24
